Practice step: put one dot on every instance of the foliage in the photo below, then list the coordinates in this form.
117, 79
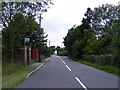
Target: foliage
99, 34
107, 68
92, 47
77, 37
52, 49
101, 59
58, 49
9, 9
45, 51
115, 43
77, 47
18, 21
63, 52
102, 16
14, 74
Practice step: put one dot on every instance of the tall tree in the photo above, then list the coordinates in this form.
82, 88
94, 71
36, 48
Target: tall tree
18, 21
77, 37
103, 25
9, 9
102, 16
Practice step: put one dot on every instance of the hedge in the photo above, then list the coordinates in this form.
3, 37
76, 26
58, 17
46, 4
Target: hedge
103, 59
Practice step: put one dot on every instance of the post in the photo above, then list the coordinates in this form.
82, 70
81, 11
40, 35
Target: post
25, 56
29, 55
49, 43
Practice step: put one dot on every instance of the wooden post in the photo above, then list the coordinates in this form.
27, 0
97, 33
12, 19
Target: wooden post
29, 55
25, 56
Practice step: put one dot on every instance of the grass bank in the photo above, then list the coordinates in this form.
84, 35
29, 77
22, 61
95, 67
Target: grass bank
110, 69
14, 74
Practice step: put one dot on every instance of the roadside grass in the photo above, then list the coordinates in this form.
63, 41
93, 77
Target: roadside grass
14, 74
108, 68
33, 61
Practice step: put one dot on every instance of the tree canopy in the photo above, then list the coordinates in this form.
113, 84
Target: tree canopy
97, 35
19, 22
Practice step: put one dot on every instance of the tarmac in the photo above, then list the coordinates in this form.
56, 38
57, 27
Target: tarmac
38, 65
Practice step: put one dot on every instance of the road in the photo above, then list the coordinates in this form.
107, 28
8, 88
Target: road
60, 72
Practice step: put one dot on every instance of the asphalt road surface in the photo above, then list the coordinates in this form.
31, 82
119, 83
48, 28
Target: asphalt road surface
61, 72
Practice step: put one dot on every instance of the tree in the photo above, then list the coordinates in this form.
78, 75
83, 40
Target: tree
58, 49
19, 22
52, 49
115, 42
9, 9
102, 16
103, 25
13, 34
92, 47
63, 52
77, 36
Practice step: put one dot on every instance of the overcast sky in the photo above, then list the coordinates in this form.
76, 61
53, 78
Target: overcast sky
64, 14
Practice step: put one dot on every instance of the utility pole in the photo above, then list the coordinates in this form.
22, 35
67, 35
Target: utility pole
49, 43
40, 29
61, 45
40, 21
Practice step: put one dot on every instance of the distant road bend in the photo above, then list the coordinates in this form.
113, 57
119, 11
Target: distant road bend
60, 72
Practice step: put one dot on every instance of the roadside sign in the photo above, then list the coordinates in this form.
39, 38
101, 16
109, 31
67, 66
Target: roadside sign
27, 41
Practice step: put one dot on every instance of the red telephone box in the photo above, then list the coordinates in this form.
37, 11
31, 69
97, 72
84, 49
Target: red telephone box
35, 54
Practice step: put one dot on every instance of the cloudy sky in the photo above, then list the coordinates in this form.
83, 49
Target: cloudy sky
64, 14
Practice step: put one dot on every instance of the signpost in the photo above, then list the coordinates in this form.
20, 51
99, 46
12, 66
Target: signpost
27, 52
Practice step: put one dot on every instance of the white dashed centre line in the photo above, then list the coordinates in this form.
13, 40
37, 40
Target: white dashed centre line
75, 77
81, 83
68, 67
65, 64
61, 59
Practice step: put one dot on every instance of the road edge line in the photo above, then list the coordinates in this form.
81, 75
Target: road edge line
29, 74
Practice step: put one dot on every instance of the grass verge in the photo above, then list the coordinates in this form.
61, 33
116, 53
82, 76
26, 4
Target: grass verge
14, 74
110, 69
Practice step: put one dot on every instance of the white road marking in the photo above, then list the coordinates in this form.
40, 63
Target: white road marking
68, 68
81, 83
60, 59
63, 62
35, 70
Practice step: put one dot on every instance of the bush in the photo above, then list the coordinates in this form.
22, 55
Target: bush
63, 52
90, 58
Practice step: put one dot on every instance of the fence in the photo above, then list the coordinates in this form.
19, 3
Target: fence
19, 54
103, 59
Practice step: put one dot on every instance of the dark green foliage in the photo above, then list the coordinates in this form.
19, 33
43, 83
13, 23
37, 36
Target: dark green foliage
108, 68
92, 47
58, 49
18, 19
97, 37
44, 50
103, 59
9, 9
52, 49
63, 52
77, 36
